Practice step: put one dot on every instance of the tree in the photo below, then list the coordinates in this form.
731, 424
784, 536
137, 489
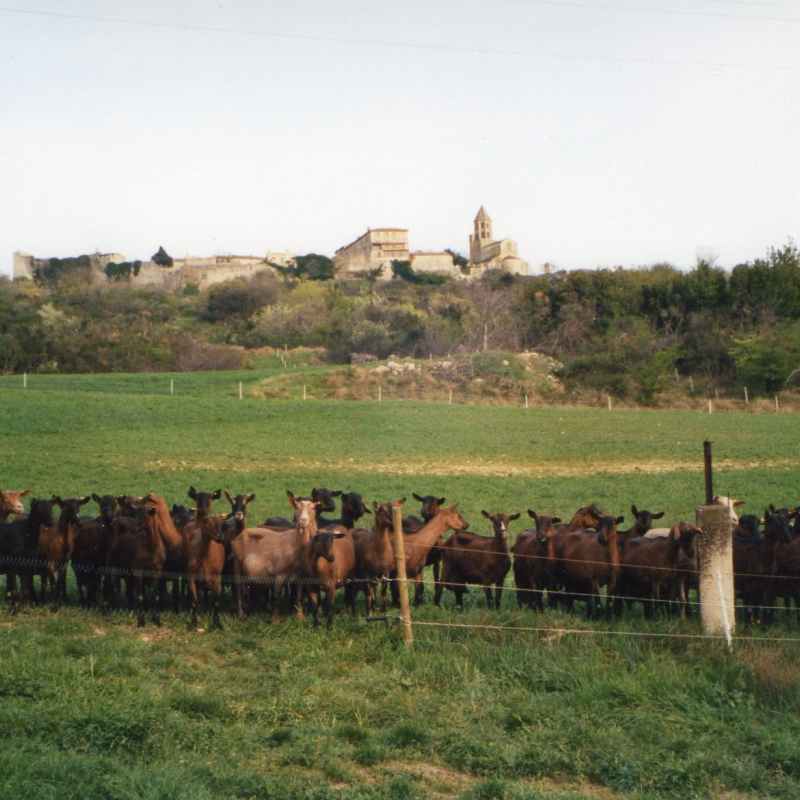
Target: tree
458, 260
314, 267
162, 258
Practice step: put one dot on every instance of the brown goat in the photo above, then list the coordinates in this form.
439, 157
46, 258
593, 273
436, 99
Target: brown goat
418, 545
119, 557
430, 505
11, 503
353, 508
588, 562
324, 503
269, 557
175, 564
55, 548
374, 556
534, 556
756, 560
148, 557
90, 549
324, 564
470, 558
204, 550
19, 540
651, 567
642, 523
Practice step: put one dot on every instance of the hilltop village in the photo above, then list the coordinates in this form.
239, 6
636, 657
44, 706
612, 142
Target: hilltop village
372, 253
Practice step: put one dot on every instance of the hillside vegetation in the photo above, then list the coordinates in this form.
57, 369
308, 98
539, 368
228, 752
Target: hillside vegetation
647, 336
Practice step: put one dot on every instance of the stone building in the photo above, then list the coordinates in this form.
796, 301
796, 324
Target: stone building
201, 272
376, 249
25, 264
486, 253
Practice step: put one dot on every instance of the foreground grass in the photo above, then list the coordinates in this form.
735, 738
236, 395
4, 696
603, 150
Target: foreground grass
93, 707
484, 705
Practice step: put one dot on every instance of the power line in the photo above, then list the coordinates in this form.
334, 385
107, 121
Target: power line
674, 11
418, 46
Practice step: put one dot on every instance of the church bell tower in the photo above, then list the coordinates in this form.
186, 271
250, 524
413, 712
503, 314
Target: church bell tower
481, 237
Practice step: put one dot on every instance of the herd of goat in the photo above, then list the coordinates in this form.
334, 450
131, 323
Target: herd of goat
145, 544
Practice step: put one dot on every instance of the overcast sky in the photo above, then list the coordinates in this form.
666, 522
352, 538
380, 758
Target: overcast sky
597, 133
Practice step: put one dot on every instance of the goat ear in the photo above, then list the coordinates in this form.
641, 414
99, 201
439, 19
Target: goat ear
737, 503
658, 516
513, 516
250, 498
216, 494
440, 501
25, 493
532, 514
82, 501
634, 511
619, 520
365, 508
337, 493
555, 520
192, 493
772, 508
58, 501
292, 498
417, 497
226, 515
228, 497
94, 497
400, 501
486, 514
339, 535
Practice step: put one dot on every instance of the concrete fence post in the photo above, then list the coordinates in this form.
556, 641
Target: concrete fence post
715, 562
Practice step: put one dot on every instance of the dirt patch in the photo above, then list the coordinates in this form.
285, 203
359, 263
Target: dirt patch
150, 635
439, 781
483, 467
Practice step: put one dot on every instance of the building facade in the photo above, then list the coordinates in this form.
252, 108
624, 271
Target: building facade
376, 249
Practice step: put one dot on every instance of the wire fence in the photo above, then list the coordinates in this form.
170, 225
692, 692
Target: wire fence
37, 566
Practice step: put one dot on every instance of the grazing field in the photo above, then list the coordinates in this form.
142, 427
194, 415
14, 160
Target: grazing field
505, 704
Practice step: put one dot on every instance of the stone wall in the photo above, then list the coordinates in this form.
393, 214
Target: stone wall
439, 263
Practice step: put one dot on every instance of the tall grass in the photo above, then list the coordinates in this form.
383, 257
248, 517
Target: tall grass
485, 705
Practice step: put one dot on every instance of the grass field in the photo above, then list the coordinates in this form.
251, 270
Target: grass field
485, 704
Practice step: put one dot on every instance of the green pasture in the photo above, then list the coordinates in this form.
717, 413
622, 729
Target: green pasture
485, 705
108, 433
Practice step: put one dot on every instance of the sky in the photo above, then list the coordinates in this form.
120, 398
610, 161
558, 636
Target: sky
596, 134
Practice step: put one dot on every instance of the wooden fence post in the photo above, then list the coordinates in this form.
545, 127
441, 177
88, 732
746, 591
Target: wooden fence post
402, 577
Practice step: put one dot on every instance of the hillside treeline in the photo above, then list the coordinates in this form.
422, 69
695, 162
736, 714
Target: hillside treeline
623, 332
